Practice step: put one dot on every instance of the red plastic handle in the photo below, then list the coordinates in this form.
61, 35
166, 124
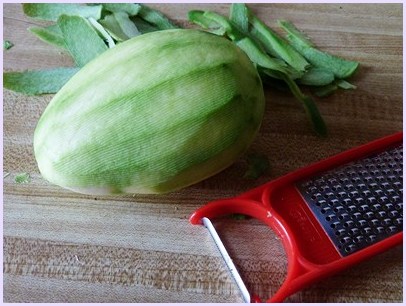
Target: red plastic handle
311, 255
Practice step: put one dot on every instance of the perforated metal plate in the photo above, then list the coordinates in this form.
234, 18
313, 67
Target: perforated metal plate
359, 203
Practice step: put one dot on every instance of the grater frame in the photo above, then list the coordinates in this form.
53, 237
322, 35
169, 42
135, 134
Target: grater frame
311, 254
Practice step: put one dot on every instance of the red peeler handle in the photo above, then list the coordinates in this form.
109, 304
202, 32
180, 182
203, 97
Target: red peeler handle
257, 210
301, 273
305, 265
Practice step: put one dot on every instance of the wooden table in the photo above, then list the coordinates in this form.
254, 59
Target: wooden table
60, 246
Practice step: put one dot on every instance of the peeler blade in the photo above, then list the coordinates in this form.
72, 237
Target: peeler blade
229, 262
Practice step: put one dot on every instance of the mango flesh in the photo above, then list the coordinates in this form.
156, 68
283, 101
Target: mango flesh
154, 114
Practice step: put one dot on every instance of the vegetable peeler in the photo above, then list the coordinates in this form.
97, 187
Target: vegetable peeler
329, 216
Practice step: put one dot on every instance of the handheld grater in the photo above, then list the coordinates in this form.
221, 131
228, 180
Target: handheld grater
330, 215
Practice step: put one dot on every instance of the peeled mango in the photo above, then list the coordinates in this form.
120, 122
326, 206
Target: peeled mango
154, 114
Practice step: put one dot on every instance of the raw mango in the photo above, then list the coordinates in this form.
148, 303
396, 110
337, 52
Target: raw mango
154, 114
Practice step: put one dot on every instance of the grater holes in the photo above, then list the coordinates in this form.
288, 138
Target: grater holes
372, 185
356, 180
345, 240
377, 192
345, 201
371, 200
332, 202
368, 215
398, 158
392, 164
362, 172
341, 194
386, 172
361, 222
356, 216
391, 229
354, 194
340, 232
381, 214
343, 216
360, 199
374, 223
376, 207
348, 187
348, 223
355, 231
398, 171
322, 203
364, 207
393, 213
371, 238
324, 188
325, 210
361, 186
368, 164
379, 230
385, 186
392, 178
350, 248
397, 184
358, 239
380, 178
335, 224
395, 200
329, 195
386, 222
352, 208
344, 180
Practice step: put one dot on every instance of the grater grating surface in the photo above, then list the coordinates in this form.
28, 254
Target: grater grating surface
360, 203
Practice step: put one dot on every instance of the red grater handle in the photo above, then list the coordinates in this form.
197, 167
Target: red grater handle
264, 203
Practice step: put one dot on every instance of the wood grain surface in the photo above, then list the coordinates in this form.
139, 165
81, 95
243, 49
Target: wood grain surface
59, 246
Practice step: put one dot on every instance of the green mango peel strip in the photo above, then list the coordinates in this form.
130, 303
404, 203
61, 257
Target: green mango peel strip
48, 81
52, 11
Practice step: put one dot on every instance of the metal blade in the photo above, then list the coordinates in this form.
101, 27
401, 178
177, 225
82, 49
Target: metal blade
227, 259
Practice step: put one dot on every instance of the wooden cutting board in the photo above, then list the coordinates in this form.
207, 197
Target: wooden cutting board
61, 246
